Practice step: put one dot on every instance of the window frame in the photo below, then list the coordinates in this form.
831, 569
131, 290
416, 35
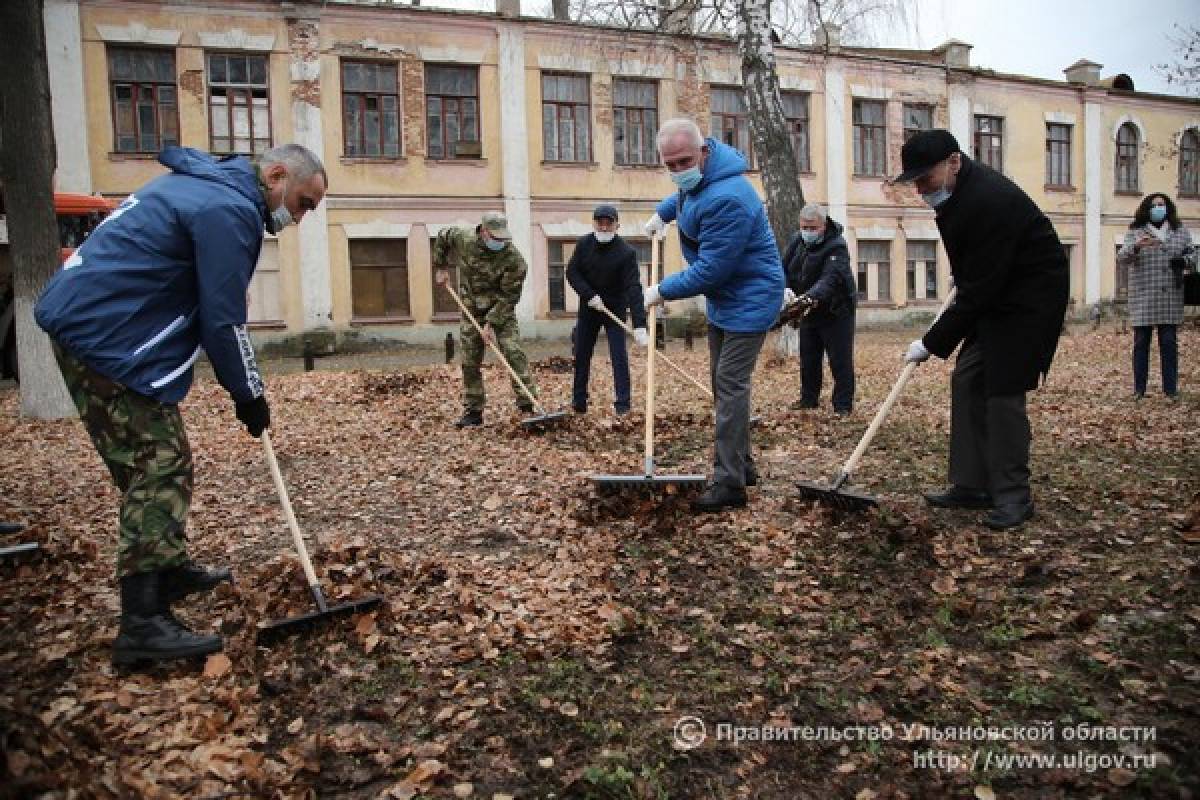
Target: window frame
799, 129
621, 113
876, 141
863, 269
909, 131
740, 119
1063, 157
575, 108
449, 149
929, 265
135, 87
1189, 184
362, 94
401, 247
230, 87
982, 149
1129, 159
556, 272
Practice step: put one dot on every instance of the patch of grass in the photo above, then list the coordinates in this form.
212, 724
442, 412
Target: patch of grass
1002, 635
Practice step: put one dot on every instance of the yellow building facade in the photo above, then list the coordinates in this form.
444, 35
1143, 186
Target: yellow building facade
427, 118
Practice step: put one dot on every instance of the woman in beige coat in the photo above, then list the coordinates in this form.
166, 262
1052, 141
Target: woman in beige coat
1157, 251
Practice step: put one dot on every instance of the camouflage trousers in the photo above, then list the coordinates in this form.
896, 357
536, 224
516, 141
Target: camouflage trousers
508, 339
145, 447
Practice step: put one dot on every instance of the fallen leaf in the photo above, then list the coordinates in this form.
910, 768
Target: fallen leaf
216, 665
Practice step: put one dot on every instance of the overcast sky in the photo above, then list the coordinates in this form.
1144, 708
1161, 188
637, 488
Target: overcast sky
1028, 37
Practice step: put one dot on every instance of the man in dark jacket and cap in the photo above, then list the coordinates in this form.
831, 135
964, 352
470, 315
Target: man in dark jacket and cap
161, 280
817, 265
603, 271
1012, 279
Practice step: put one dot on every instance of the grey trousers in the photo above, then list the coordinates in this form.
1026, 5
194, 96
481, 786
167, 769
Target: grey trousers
731, 358
989, 436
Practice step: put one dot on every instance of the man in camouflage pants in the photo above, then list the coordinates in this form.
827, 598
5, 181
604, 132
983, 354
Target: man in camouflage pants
161, 280
490, 275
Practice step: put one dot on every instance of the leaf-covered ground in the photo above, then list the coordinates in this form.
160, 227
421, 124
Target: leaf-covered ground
540, 638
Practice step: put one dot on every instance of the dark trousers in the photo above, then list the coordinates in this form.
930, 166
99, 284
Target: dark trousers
731, 364
989, 436
1168, 354
835, 339
587, 329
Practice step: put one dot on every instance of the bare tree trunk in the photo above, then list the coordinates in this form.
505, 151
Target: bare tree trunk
772, 139
27, 163
561, 9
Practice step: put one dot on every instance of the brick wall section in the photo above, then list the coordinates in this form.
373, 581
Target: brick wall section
691, 98
412, 83
304, 45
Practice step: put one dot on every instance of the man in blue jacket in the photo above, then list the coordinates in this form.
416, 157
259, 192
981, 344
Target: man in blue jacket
734, 262
163, 278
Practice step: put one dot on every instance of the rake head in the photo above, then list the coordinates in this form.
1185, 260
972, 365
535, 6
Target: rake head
841, 499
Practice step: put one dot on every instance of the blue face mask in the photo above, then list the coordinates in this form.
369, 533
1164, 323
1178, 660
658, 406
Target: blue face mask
495, 245
1158, 214
688, 179
810, 236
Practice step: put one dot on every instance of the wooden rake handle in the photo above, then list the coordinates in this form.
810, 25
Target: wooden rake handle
516, 378
651, 317
297, 537
708, 392
894, 395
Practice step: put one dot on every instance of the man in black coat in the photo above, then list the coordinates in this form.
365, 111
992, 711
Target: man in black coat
603, 271
817, 263
1013, 281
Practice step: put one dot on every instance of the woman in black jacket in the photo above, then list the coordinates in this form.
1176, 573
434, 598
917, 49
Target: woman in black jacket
817, 263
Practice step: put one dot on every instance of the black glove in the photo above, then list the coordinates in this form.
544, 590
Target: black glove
255, 415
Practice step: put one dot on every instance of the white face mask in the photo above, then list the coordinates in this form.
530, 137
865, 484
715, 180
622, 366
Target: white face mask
604, 237
280, 219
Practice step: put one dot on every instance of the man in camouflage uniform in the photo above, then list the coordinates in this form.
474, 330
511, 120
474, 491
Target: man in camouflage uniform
161, 280
490, 275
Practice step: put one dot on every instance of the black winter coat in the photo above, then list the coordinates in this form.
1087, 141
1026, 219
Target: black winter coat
822, 271
611, 271
1012, 277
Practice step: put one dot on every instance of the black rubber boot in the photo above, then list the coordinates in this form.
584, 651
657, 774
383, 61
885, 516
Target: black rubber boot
188, 578
149, 632
470, 419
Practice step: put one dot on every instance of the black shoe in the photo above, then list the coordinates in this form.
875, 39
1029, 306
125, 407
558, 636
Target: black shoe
148, 631
470, 419
959, 497
752, 477
525, 408
801, 405
718, 497
1010, 515
11, 527
842, 412
621, 411
189, 578
578, 409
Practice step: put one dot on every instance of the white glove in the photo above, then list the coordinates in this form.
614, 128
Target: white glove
654, 226
789, 297
641, 336
651, 297
596, 304
916, 352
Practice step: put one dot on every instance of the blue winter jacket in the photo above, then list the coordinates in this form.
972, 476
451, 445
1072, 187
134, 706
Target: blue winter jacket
727, 241
163, 277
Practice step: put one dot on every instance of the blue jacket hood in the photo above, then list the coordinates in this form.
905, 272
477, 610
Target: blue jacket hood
723, 162
235, 172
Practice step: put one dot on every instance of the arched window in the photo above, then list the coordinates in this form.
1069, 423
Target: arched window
1189, 163
1127, 158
